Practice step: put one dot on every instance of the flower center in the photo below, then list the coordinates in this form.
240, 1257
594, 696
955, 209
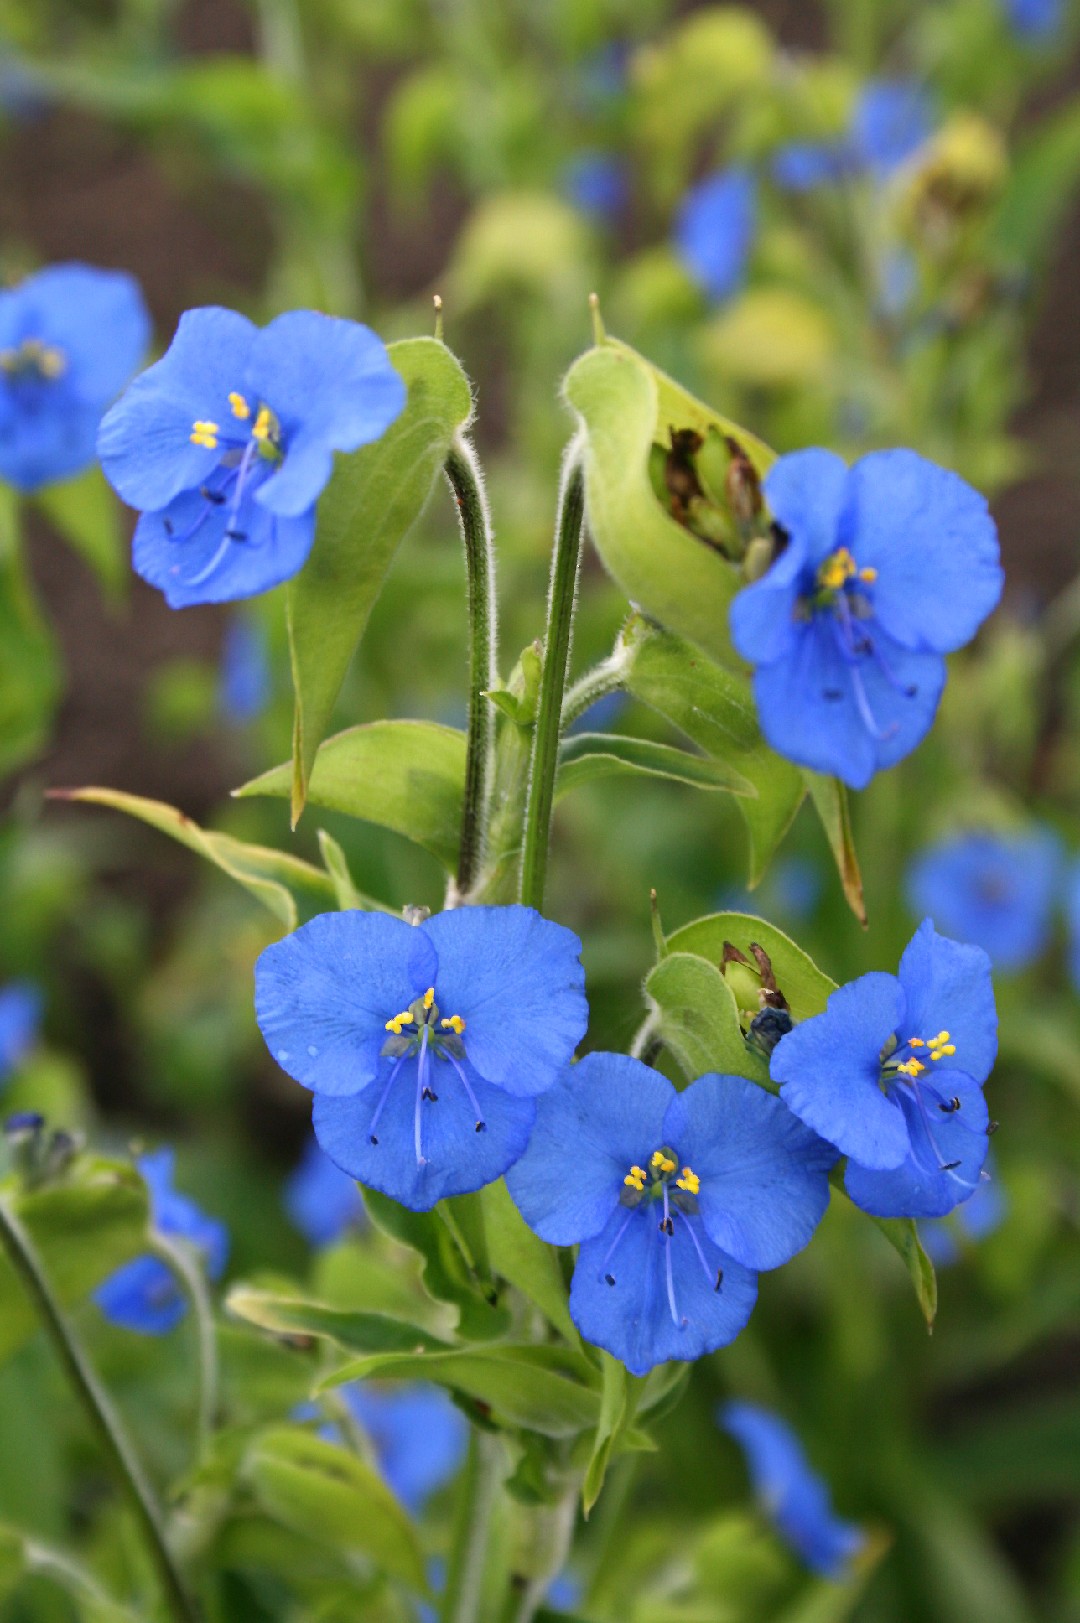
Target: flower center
423, 1033
838, 570
936, 1048
911, 1068
33, 360
263, 435
676, 1190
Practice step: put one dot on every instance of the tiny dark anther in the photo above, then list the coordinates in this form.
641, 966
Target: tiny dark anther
431, 1095
991, 1128
667, 1226
953, 1105
610, 1278
719, 1279
481, 1127
214, 496
168, 526
374, 1140
911, 692
236, 535
832, 694
950, 1166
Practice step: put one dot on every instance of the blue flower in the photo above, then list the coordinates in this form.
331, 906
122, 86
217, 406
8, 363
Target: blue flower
982, 1213
225, 444
715, 230
995, 890
887, 566
891, 120
143, 1295
425, 1045
321, 1200
791, 1493
20, 1017
245, 671
418, 1435
70, 337
803, 166
676, 1199
1035, 20
596, 183
891, 1074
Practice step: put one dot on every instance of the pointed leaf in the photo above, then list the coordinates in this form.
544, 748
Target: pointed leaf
832, 804
588, 756
356, 1331
283, 883
613, 1400
520, 1256
404, 775
902, 1234
698, 1019
374, 497
448, 1275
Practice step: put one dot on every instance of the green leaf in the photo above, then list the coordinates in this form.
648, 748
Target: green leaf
1043, 179
806, 987
448, 1275
626, 407
283, 883
356, 1331
520, 1256
541, 1388
588, 756
330, 1495
715, 708
29, 673
337, 866
832, 805
613, 1399
698, 1019
404, 775
85, 512
83, 1227
374, 497
902, 1234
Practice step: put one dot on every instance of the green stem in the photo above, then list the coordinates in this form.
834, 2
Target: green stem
545, 755
184, 1263
551, 1534
480, 1490
467, 483
607, 677
99, 1411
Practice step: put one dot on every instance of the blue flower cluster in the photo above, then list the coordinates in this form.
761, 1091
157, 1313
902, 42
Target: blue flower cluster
996, 890
20, 1017
890, 120
892, 1074
225, 444
885, 567
70, 338
715, 230
144, 1295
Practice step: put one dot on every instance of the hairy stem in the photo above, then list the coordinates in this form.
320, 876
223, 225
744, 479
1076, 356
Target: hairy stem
467, 484
607, 677
465, 1582
184, 1263
562, 593
99, 1411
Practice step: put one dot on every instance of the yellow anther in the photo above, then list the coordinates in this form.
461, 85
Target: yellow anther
204, 434
916, 1042
263, 428
240, 407
51, 361
453, 1023
689, 1181
429, 997
635, 1179
661, 1162
942, 1037
837, 569
399, 1020
912, 1067
946, 1048
869, 575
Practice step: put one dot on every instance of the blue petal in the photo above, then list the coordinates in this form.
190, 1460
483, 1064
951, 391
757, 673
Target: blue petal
20, 1016
97, 317
142, 1296
517, 982
764, 1175
323, 995
632, 1319
974, 1219
333, 387
940, 1136
418, 1434
763, 616
933, 543
456, 1159
207, 566
144, 442
830, 1070
177, 1214
246, 682
997, 891
792, 1494
948, 987
321, 1200
804, 166
715, 230
891, 120
812, 710
1037, 21
603, 1116
53, 440
805, 492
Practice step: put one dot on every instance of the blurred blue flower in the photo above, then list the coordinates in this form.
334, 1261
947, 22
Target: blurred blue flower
791, 1493
897, 282
225, 444
597, 184
427, 1044
983, 1212
321, 1200
144, 1295
995, 890
892, 1073
887, 566
891, 120
419, 1436
24, 94
1035, 20
601, 715
602, 76
666, 1196
245, 670
715, 230
1072, 921
20, 1016
803, 166
792, 888
70, 337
